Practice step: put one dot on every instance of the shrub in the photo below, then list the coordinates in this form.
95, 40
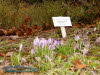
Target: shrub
14, 13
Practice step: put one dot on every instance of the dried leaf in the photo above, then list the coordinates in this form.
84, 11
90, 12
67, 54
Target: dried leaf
10, 40
11, 31
1, 72
90, 25
76, 25
17, 74
2, 32
2, 54
36, 27
27, 74
78, 64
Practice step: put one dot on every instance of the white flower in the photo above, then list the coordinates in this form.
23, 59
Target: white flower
95, 29
20, 47
38, 58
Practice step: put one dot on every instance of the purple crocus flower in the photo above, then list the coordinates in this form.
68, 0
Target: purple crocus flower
36, 41
85, 51
56, 43
75, 46
76, 37
84, 40
43, 42
86, 43
50, 40
47, 57
32, 51
51, 47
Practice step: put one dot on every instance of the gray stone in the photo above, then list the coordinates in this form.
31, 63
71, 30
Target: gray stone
23, 60
1, 61
9, 54
97, 41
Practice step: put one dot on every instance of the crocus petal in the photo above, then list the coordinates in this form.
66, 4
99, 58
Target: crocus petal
42, 42
50, 40
85, 51
56, 43
75, 46
36, 41
51, 47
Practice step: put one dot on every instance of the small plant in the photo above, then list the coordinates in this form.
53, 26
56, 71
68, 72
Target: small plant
52, 56
81, 44
43, 52
16, 57
5, 48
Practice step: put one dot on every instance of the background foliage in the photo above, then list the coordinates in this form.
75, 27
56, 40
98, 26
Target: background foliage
40, 12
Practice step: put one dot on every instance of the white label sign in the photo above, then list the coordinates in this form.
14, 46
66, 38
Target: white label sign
61, 21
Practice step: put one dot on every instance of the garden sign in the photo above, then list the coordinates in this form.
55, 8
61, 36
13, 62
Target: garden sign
62, 22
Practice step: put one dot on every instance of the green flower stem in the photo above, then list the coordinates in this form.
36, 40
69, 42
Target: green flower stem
19, 57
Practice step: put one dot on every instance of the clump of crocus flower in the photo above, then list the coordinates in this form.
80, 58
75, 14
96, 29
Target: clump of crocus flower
44, 47
82, 45
42, 43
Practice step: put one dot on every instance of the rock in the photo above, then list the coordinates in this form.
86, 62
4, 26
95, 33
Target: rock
12, 37
23, 60
9, 54
1, 72
97, 41
38, 58
1, 61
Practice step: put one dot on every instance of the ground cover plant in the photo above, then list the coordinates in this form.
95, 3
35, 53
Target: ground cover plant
52, 55
30, 45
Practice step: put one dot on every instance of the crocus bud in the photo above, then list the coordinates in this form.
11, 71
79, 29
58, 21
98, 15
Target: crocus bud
32, 51
20, 47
